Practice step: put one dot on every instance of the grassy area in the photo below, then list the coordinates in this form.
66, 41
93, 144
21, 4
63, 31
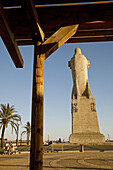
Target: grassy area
2, 150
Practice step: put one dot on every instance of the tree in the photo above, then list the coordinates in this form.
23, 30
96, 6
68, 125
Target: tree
7, 116
28, 130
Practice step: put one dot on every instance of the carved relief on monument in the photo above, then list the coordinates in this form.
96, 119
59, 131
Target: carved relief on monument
93, 107
74, 107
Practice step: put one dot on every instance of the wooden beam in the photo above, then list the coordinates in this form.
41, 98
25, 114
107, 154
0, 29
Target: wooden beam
57, 39
9, 40
22, 33
90, 32
75, 39
92, 35
43, 2
73, 4
36, 154
25, 42
96, 26
90, 39
93, 32
36, 22
80, 34
50, 45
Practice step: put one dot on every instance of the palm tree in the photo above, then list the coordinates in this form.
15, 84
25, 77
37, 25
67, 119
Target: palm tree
28, 130
7, 116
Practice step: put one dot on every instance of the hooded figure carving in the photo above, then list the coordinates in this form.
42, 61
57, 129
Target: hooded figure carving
79, 66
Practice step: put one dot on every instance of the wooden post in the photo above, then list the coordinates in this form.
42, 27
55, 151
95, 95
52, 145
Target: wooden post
36, 154
52, 149
62, 147
57, 39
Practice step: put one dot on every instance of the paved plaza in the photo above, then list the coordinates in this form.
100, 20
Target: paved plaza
93, 160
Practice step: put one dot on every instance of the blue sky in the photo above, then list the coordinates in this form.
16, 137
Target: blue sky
16, 87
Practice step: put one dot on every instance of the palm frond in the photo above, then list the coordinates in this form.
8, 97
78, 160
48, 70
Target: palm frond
15, 124
1, 126
15, 115
13, 127
23, 132
1, 114
3, 107
12, 107
13, 111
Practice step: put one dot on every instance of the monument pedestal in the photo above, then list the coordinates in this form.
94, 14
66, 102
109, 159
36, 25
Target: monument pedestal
86, 138
85, 128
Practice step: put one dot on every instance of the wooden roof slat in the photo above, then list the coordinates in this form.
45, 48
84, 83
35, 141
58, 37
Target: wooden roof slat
9, 40
78, 39
79, 34
11, 3
26, 42
96, 26
42, 2
75, 40
74, 4
94, 33
90, 39
91, 28
91, 32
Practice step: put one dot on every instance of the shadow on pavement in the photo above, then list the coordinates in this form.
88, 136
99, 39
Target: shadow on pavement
15, 165
81, 168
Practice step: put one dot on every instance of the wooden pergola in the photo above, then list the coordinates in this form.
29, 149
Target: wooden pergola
47, 24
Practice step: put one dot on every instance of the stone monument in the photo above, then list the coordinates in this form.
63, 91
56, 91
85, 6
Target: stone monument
85, 128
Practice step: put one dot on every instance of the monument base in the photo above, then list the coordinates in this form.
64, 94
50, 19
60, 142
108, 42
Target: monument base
85, 138
85, 128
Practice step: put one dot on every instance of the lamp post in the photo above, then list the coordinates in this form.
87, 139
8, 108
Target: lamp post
21, 138
18, 123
